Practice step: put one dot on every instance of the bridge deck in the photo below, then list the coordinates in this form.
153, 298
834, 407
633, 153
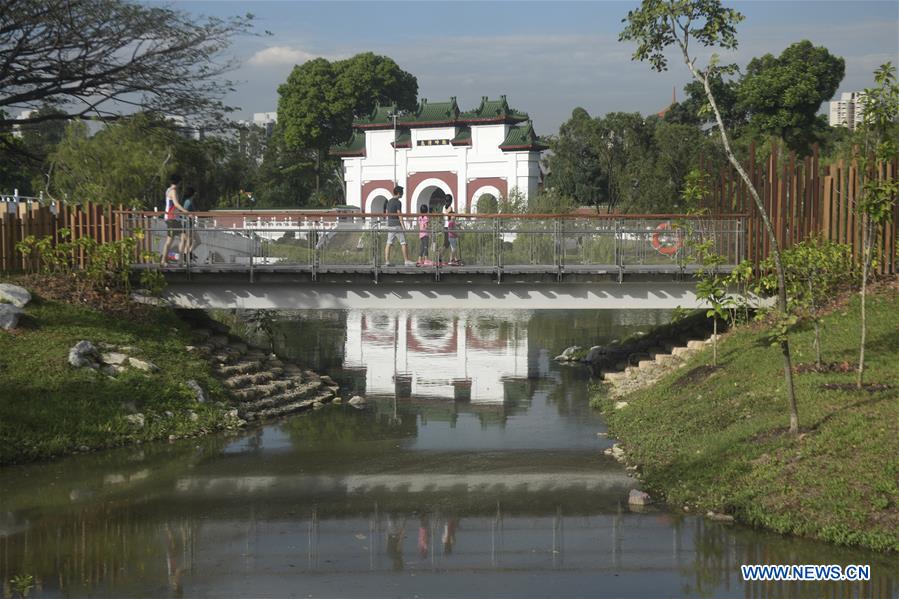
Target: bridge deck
601, 270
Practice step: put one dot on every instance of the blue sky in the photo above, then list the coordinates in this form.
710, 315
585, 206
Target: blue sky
547, 57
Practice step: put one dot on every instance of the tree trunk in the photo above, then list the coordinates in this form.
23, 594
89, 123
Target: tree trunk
866, 260
714, 341
811, 292
772, 237
817, 344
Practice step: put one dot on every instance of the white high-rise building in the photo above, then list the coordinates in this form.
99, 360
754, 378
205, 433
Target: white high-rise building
266, 120
848, 111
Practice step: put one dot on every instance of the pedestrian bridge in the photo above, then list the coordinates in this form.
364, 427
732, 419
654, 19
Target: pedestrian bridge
336, 260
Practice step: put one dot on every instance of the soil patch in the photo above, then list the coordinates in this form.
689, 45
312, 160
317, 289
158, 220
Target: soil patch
826, 367
869, 387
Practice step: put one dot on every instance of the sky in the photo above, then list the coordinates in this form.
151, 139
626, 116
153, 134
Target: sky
548, 57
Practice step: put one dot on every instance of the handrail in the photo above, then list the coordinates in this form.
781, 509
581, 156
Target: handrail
566, 216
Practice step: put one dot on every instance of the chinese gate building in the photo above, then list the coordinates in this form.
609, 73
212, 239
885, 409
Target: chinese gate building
439, 150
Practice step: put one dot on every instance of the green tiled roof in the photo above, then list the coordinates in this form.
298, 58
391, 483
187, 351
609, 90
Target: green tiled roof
380, 116
435, 112
354, 147
463, 138
494, 110
489, 111
522, 138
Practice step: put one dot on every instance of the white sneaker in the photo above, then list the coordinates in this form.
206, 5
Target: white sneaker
410, 263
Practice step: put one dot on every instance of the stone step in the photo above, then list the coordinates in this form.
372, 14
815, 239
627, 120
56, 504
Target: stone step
682, 352
290, 408
614, 376
258, 391
242, 367
664, 358
244, 380
646, 364
696, 344
288, 396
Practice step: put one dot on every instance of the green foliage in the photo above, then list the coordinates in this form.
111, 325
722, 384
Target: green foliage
623, 160
783, 94
319, 100
513, 203
48, 408
881, 113
22, 584
714, 440
657, 24
99, 265
814, 271
153, 281
125, 162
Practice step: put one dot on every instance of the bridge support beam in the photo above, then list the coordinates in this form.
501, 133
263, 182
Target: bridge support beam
444, 295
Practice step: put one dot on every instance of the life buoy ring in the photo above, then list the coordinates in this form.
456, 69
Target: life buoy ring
670, 245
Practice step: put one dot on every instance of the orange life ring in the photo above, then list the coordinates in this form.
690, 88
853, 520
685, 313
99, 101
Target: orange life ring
668, 248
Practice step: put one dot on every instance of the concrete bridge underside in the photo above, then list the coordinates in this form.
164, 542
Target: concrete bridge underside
453, 290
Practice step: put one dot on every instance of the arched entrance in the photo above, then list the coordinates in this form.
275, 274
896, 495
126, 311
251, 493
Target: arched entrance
431, 192
485, 200
377, 200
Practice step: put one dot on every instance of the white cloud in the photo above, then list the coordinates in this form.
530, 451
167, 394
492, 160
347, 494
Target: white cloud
280, 56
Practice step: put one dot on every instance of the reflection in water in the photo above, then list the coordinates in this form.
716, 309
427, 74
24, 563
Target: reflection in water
474, 470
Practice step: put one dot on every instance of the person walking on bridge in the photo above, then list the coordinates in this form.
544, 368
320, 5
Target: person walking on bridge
173, 224
395, 226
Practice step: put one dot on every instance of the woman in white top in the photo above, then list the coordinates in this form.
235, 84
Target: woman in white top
173, 224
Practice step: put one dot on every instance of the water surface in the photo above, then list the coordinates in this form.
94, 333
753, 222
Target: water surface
475, 470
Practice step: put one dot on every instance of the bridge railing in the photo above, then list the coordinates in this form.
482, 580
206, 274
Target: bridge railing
329, 241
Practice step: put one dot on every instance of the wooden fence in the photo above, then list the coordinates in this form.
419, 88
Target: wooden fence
101, 222
802, 198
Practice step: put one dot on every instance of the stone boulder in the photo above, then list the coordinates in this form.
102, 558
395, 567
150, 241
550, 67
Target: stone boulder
638, 498
17, 296
137, 420
115, 358
595, 353
199, 394
83, 355
9, 316
142, 365
357, 401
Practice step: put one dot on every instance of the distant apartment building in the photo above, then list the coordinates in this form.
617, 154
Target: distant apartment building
186, 129
848, 111
266, 120
17, 129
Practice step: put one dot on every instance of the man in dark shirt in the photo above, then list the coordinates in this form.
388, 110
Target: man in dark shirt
395, 227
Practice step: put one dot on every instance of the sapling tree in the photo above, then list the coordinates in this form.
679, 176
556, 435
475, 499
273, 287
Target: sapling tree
878, 196
815, 269
711, 286
660, 24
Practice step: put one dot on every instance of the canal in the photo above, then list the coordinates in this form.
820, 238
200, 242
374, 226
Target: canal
475, 469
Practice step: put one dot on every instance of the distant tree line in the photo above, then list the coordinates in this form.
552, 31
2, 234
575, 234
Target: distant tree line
628, 162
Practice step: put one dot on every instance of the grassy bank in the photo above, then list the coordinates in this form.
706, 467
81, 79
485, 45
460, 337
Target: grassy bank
49, 408
715, 438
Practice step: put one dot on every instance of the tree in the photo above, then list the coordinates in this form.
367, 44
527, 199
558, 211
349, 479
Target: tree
815, 269
783, 94
317, 104
96, 58
694, 110
655, 26
126, 162
878, 198
576, 167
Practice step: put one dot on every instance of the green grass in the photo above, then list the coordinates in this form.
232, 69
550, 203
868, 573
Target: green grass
715, 439
48, 408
